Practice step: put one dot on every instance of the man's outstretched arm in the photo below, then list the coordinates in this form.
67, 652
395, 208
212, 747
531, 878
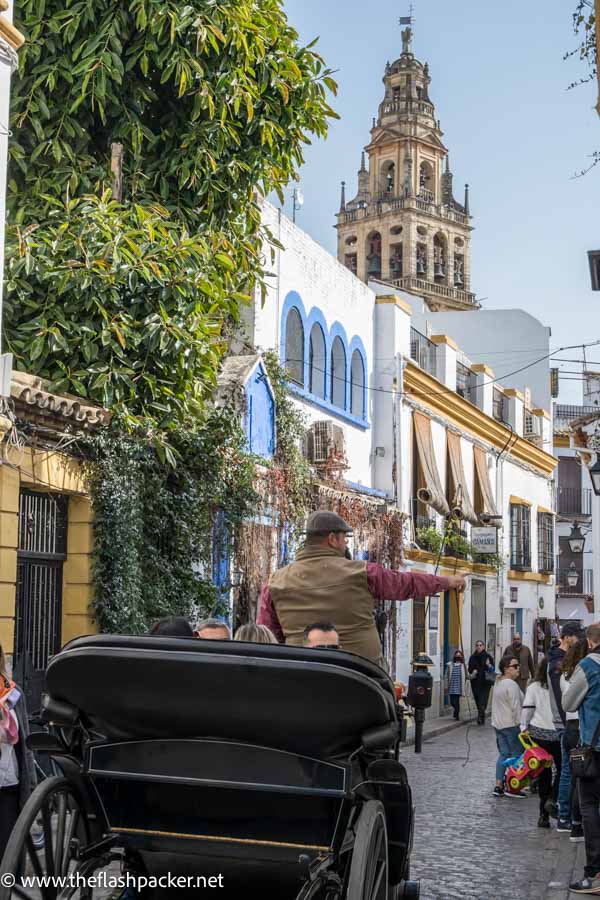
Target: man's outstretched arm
388, 584
267, 615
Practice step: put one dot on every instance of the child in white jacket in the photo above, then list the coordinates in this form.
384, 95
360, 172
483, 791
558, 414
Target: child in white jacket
537, 719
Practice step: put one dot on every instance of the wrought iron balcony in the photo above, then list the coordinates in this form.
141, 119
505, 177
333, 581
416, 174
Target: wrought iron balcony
573, 501
564, 414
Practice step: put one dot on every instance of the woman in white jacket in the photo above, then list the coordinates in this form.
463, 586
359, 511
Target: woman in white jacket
538, 720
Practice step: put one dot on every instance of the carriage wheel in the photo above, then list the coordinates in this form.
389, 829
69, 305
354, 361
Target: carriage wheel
369, 866
533, 763
515, 784
55, 804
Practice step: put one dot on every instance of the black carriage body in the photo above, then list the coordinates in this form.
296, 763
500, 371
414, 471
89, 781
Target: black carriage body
248, 753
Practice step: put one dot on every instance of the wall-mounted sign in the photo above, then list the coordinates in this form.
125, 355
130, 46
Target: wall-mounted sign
484, 539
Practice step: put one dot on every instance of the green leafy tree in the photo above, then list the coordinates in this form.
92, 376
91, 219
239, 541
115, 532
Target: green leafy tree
588, 50
124, 297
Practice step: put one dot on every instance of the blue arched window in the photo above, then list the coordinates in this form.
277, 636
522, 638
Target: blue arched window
316, 362
338, 373
357, 385
294, 347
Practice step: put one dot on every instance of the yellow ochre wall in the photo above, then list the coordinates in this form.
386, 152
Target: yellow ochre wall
46, 471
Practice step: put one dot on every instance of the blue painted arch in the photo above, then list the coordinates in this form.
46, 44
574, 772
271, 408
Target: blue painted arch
293, 300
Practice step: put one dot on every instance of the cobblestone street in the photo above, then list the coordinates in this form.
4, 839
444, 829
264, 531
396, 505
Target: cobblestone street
472, 846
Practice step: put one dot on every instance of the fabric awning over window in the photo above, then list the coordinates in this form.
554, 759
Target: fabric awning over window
462, 498
483, 480
432, 494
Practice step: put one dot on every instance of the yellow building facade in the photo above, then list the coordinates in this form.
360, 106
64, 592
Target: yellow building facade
46, 526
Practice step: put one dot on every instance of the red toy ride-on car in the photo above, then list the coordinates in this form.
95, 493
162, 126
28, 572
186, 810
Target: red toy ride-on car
523, 769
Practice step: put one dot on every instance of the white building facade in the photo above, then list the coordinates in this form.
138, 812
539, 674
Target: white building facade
425, 432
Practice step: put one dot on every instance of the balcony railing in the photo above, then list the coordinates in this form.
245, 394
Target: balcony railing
565, 414
385, 202
584, 585
422, 107
573, 501
422, 350
451, 295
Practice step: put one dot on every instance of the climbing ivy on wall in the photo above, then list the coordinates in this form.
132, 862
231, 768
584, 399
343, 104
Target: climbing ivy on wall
153, 524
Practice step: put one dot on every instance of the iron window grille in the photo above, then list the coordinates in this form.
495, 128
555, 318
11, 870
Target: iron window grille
546, 543
520, 537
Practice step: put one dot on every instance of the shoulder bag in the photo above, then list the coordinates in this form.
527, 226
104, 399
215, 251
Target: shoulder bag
585, 761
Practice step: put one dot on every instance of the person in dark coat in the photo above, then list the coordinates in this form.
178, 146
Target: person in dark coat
480, 664
17, 766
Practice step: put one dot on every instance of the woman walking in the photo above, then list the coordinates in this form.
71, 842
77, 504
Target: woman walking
455, 672
17, 769
537, 719
573, 657
507, 701
481, 676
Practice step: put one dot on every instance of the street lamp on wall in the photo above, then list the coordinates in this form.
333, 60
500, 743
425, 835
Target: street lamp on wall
572, 576
595, 476
576, 539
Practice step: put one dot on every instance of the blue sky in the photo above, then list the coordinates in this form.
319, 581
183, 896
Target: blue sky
513, 130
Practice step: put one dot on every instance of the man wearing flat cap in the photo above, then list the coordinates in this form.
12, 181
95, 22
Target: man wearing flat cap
323, 584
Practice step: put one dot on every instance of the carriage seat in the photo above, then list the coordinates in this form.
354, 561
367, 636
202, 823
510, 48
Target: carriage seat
319, 703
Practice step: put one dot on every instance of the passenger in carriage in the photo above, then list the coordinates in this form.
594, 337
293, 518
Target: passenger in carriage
322, 635
322, 584
255, 634
213, 630
172, 626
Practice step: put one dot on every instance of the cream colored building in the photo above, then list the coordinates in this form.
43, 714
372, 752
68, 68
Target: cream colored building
404, 226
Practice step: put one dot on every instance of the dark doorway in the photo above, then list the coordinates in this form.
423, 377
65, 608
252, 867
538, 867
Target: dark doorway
41, 552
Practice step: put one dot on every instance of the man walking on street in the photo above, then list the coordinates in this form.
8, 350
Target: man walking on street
323, 585
583, 695
525, 660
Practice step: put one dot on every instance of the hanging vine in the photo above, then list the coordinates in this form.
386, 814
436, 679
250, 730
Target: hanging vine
154, 525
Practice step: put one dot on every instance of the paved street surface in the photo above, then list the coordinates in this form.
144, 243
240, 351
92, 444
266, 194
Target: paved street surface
468, 844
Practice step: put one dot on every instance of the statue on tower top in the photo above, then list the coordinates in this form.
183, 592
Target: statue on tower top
407, 34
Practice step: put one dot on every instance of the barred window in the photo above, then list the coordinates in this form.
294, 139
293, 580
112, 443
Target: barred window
520, 537
546, 543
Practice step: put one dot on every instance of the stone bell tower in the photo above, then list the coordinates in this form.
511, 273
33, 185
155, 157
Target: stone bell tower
404, 226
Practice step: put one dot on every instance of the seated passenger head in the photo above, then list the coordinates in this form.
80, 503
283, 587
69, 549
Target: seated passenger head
172, 626
322, 635
327, 529
257, 634
213, 630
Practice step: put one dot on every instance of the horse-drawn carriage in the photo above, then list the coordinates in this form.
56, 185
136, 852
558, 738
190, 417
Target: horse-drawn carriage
274, 767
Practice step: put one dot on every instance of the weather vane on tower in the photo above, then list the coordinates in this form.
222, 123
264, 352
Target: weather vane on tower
407, 34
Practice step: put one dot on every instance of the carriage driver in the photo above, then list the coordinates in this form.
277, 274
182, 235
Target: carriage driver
323, 585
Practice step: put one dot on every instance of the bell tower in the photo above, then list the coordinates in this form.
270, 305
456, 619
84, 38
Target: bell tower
404, 226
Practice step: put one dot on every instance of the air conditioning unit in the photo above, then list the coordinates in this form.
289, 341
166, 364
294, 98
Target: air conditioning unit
324, 440
532, 427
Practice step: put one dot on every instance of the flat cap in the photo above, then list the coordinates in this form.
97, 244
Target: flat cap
324, 522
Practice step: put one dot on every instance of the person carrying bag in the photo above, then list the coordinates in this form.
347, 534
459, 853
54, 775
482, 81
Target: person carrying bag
583, 696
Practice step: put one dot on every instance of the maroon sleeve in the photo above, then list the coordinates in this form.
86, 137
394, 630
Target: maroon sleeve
267, 615
388, 584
